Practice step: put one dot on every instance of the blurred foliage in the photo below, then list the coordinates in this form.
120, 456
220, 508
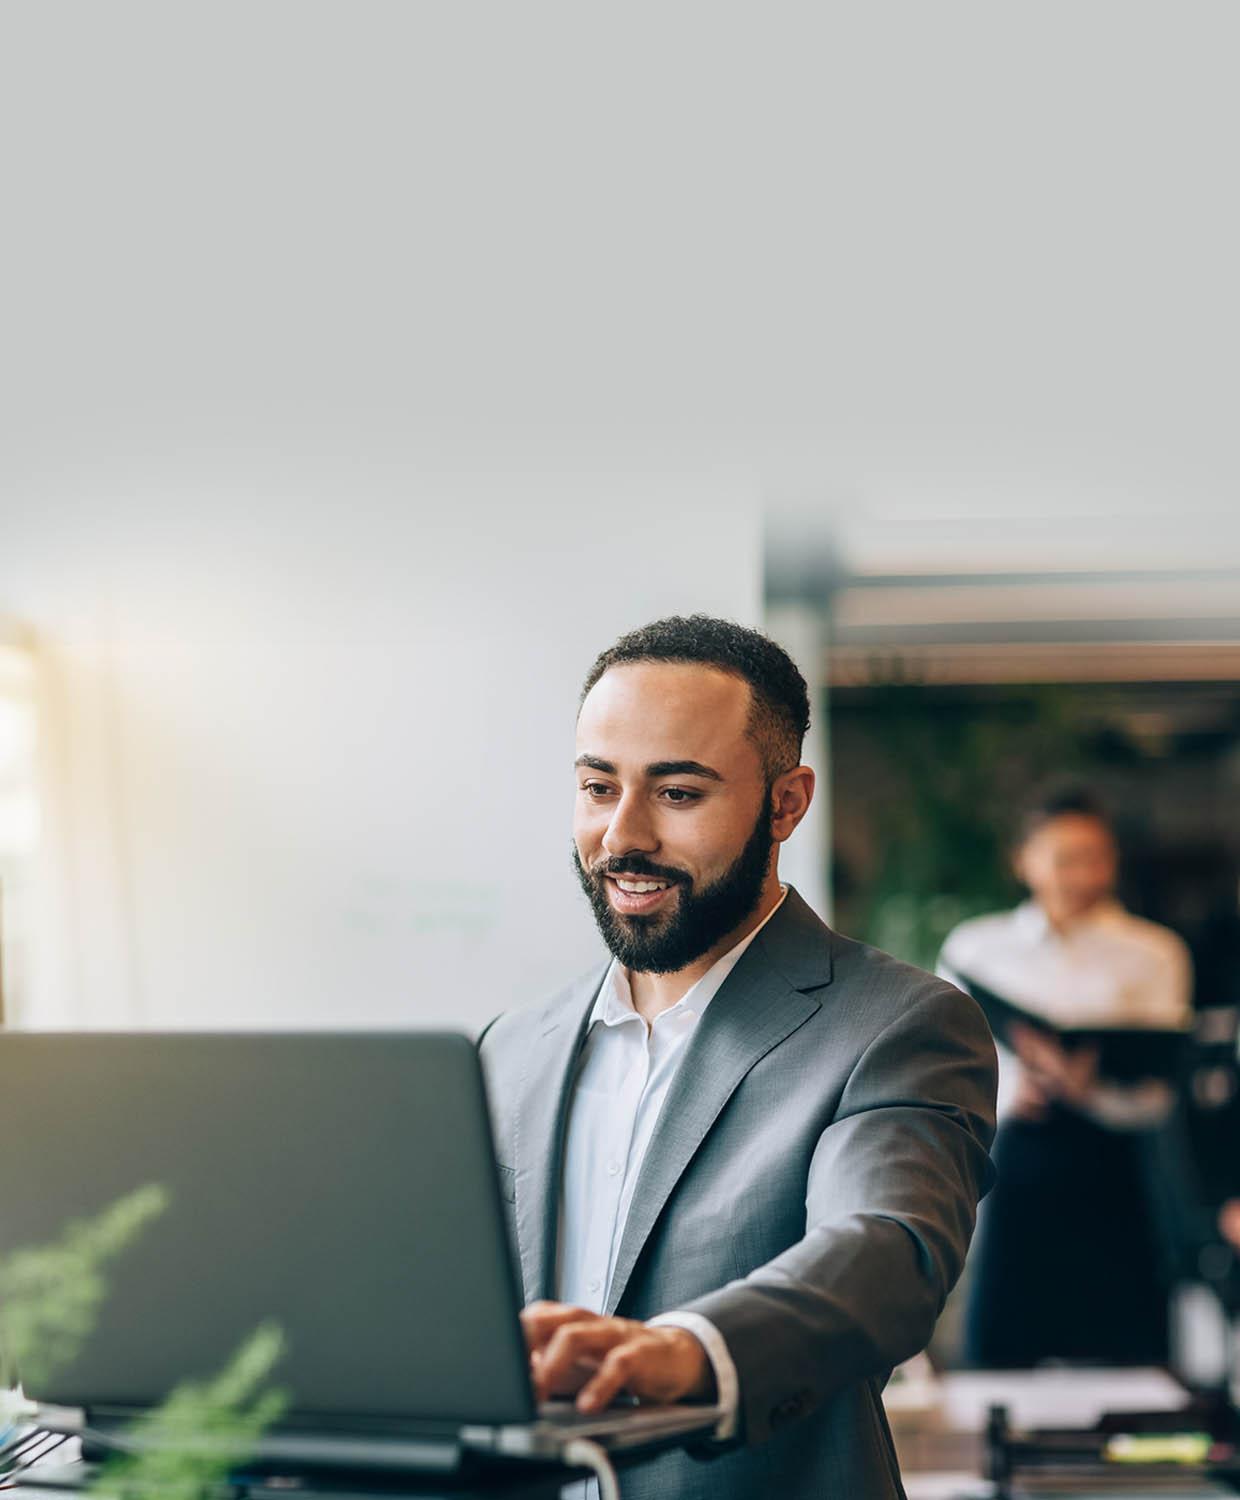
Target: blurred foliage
189, 1446
50, 1295
953, 781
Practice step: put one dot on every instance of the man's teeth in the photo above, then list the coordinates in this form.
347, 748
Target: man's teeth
640, 887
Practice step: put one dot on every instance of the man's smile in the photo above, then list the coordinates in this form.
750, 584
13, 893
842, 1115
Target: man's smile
636, 895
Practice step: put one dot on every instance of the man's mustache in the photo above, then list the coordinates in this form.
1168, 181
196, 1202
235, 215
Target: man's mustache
634, 864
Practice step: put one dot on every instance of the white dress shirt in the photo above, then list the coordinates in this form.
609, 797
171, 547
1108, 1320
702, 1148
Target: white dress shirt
625, 1071
1107, 968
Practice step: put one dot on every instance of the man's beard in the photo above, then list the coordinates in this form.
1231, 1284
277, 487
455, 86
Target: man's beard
666, 942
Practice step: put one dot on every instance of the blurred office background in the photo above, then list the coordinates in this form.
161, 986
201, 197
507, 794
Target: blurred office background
365, 370
953, 693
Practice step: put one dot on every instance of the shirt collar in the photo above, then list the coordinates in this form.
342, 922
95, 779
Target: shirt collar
1032, 922
614, 1003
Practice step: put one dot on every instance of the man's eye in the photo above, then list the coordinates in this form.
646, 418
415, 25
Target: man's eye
679, 795
595, 788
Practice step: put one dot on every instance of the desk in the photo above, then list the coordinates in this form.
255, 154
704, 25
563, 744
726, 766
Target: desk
61, 1473
518, 1482
939, 1428
964, 1487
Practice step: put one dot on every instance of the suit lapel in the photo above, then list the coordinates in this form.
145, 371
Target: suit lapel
761, 1003
546, 1084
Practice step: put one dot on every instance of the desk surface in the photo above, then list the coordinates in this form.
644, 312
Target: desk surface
532, 1482
966, 1487
939, 1427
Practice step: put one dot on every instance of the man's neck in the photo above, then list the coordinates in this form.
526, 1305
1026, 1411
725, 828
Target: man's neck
654, 993
1063, 922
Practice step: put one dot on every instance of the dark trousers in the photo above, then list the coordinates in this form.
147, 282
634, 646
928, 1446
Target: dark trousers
1066, 1263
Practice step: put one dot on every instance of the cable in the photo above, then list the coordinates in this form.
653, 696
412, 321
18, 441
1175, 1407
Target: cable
583, 1454
32, 1438
19, 1459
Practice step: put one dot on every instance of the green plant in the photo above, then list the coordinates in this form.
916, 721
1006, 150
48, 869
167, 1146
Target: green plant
951, 775
50, 1295
189, 1446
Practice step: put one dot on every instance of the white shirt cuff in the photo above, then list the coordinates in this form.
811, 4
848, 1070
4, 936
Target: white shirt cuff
727, 1382
1139, 1106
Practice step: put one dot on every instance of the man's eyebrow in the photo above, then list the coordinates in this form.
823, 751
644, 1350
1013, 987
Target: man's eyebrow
654, 770
595, 764
681, 768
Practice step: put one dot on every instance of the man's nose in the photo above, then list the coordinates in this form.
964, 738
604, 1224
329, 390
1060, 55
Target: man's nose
630, 828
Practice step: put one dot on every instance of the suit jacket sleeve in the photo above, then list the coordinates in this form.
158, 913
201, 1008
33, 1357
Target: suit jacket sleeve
890, 1207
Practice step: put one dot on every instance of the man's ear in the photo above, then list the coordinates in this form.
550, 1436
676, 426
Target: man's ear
791, 795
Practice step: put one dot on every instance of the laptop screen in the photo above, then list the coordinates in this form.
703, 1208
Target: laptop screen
339, 1186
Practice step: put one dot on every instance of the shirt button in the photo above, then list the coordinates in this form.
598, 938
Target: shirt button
613, 1169
596, 1285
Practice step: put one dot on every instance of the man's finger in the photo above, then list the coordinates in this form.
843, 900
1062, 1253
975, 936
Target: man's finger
1039, 1050
573, 1354
540, 1321
620, 1370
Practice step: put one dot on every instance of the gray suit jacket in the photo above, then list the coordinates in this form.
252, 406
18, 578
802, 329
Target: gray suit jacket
811, 1188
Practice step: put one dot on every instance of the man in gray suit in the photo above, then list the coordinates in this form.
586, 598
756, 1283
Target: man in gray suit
743, 1158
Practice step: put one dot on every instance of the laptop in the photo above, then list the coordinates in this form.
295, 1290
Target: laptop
340, 1185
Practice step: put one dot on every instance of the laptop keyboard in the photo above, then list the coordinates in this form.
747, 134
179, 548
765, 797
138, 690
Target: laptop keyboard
565, 1414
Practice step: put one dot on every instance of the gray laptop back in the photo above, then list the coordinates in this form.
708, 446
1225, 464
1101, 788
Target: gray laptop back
341, 1185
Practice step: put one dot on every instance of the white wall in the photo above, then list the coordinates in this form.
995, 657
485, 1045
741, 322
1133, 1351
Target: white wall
308, 757
339, 340
339, 436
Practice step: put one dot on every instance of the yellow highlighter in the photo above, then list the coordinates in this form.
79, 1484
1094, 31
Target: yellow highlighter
1159, 1448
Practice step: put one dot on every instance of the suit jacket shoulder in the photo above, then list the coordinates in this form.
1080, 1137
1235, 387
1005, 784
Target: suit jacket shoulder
889, 988
514, 1028
873, 988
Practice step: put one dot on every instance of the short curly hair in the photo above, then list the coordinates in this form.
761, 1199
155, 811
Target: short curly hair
779, 708
1060, 799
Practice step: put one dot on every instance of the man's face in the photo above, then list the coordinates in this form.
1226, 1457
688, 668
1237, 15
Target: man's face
1069, 864
672, 826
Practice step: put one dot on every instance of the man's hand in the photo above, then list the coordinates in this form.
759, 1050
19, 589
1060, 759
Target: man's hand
1029, 1101
1229, 1222
575, 1352
1056, 1072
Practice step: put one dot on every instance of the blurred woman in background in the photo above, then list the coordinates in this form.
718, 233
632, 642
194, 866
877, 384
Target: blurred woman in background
1065, 1265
